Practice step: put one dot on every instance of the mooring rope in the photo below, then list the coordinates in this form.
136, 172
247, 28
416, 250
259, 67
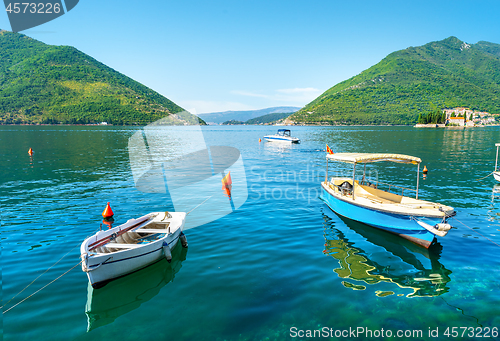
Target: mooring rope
26, 287
199, 204
18, 303
485, 176
477, 232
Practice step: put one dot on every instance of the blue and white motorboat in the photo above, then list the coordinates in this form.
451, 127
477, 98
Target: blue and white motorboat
283, 135
411, 218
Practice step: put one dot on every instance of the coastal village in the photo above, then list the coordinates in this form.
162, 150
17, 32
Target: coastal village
464, 117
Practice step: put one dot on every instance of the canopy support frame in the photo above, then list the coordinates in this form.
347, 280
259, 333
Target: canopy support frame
353, 180
418, 178
496, 161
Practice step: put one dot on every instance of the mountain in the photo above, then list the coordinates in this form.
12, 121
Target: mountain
41, 83
269, 118
265, 119
220, 117
443, 74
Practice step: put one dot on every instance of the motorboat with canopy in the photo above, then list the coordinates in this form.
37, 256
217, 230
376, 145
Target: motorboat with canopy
361, 200
283, 135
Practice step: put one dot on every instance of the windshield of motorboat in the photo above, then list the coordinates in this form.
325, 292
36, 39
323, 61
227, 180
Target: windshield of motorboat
284, 132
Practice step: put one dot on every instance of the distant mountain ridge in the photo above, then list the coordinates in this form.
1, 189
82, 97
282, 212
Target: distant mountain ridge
442, 74
265, 119
244, 115
40, 83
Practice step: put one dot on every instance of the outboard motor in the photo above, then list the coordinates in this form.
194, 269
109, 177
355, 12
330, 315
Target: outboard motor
346, 188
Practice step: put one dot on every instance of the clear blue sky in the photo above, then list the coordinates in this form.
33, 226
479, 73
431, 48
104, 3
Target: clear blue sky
235, 55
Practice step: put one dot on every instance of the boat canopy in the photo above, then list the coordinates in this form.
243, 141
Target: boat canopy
284, 132
369, 157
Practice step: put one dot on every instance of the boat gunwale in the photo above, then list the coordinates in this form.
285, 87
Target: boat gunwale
141, 254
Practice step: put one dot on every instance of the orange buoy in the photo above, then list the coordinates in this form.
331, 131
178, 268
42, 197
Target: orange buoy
108, 212
425, 170
260, 140
30, 151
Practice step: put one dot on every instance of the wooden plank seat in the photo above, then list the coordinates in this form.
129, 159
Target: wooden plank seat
122, 246
153, 231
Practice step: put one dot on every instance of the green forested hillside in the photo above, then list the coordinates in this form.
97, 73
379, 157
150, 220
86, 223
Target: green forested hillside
41, 83
442, 74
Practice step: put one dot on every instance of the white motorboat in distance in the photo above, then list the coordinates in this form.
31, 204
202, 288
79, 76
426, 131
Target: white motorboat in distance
113, 253
283, 135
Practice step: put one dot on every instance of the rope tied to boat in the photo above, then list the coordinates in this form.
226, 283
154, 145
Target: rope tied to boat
26, 287
476, 232
204, 201
484, 177
33, 294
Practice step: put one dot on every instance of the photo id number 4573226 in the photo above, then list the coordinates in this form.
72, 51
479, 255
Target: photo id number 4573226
471, 332
32, 7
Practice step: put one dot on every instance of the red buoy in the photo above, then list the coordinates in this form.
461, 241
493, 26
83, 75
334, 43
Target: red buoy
108, 212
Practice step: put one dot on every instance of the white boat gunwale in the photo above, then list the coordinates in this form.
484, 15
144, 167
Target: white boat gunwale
110, 260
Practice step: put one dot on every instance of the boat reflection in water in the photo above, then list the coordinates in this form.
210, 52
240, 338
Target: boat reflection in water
125, 294
369, 256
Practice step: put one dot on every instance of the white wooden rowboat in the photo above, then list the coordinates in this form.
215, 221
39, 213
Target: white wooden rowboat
116, 252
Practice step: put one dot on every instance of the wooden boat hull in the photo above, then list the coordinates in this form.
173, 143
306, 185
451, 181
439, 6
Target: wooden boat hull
403, 225
104, 267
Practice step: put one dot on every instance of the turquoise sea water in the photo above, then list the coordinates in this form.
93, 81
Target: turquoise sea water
283, 260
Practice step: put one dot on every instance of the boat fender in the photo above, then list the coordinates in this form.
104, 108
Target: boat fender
433, 229
166, 252
183, 240
443, 227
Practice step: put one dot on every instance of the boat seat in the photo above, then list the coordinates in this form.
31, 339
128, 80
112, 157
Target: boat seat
360, 192
122, 246
153, 230
158, 225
